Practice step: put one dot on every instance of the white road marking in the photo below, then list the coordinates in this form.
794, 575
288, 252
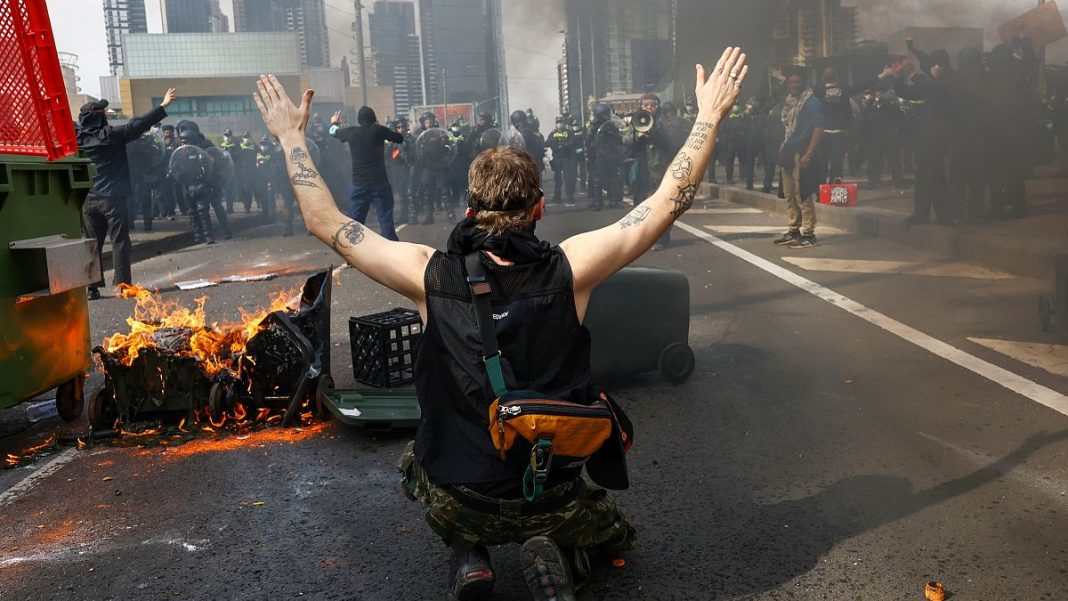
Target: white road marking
953, 270
998, 375
1050, 357
46, 470
767, 229
731, 211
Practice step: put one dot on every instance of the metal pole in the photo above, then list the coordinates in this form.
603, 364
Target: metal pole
359, 50
445, 96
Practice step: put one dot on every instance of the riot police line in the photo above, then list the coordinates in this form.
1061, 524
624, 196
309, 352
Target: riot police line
176, 170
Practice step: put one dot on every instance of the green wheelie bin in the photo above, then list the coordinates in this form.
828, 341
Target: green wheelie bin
45, 265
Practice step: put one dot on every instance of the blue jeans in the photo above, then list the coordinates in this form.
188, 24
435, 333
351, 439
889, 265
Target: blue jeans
363, 196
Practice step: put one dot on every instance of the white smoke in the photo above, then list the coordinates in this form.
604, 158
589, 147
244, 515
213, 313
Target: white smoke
532, 46
878, 19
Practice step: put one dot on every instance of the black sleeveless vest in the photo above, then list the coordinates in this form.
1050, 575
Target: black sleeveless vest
544, 347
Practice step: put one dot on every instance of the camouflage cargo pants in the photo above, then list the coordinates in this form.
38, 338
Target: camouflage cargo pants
589, 522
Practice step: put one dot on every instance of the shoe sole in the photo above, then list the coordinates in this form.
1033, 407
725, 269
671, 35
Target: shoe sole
800, 247
480, 589
784, 242
544, 549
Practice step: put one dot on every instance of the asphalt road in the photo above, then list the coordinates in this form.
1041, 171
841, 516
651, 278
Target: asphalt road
816, 453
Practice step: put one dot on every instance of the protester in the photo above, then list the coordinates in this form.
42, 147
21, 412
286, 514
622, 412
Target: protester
474, 497
370, 183
106, 205
802, 118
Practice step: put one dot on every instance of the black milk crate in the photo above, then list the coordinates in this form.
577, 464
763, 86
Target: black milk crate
384, 347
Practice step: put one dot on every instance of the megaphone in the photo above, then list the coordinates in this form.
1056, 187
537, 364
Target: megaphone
642, 121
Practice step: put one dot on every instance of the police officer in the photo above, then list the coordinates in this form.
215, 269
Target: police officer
245, 169
562, 142
532, 140
578, 135
399, 169
230, 145
457, 180
428, 181
263, 182
202, 197
604, 171
165, 194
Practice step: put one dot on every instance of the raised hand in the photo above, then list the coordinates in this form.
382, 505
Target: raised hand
169, 97
283, 119
717, 92
336, 119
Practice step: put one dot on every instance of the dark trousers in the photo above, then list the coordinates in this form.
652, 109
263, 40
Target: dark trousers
884, 148
771, 163
1008, 176
606, 179
747, 163
380, 195
108, 218
264, 195
400, 183
932, 190
428, 187
289, 204
832, 155
967, 180
564, 176
729, 152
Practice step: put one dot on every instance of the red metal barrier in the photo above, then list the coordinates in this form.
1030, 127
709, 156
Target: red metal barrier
35, 118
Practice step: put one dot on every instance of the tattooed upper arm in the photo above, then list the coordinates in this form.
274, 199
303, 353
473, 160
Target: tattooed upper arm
347, 236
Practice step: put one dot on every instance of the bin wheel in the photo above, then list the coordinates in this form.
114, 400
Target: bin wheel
70, 398
676, 362
102, 410
324, 385
217, 401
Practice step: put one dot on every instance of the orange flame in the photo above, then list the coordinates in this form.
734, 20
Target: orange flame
217, 346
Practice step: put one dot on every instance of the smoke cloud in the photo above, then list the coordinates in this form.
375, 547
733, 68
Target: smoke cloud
532, 46
878, 19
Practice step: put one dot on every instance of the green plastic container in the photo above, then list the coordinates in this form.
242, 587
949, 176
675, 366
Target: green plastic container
45, 265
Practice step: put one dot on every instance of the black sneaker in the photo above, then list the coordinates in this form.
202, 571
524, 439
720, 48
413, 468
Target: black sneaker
471, 576
546, 570
805, 242
788, 238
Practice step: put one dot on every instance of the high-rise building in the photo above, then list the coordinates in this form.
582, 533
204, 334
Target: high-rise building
395, 52
304, 17
120, 17
811, 29
462, 52
617, 47
187, 16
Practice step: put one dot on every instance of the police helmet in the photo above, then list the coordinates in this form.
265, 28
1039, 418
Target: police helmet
602, 110
518, 118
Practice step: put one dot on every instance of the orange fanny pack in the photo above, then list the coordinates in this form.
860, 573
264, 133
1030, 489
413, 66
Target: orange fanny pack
576, 431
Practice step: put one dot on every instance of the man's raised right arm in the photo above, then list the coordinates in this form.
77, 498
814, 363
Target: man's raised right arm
595, 256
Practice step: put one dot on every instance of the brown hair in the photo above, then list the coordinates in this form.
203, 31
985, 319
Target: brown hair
499, 177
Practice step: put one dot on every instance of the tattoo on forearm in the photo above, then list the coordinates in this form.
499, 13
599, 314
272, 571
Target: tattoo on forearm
699, 135
682, 167
684, 199
348, 235
305, 176
634, 218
